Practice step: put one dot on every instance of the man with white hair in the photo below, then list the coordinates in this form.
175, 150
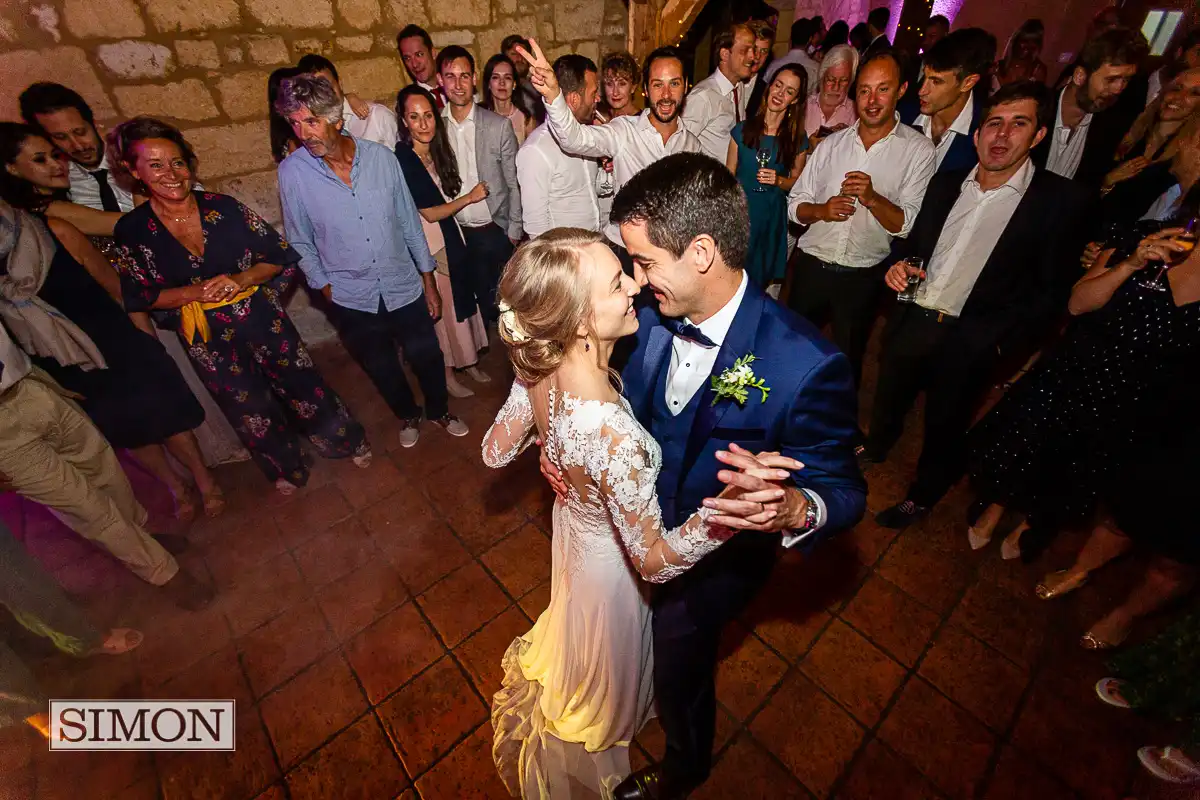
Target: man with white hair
349, 214
379, 125
830, 106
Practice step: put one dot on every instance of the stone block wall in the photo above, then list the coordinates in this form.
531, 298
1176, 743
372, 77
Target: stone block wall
203, 64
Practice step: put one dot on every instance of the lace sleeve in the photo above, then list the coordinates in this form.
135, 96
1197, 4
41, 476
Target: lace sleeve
512, 431
626, 477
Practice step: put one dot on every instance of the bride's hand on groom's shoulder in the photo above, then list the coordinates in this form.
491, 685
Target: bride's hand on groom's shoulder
551, 473
754, 497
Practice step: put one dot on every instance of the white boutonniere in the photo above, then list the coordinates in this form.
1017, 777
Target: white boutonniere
736, 382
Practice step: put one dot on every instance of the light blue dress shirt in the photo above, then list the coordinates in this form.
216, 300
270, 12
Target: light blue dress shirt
365, 239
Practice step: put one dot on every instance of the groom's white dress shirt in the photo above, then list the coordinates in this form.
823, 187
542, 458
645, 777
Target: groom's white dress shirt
692, 364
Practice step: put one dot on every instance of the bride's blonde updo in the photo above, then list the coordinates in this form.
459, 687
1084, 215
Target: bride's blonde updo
544, 300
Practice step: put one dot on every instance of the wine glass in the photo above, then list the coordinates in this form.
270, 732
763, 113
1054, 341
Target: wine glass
1186, 238
604, 187
763, 157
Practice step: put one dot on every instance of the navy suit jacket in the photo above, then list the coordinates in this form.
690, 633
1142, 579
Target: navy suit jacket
810, 414
962, 154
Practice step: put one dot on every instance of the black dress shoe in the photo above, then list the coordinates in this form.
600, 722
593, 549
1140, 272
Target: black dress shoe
901, 515
645, 784
173, 543
866, 456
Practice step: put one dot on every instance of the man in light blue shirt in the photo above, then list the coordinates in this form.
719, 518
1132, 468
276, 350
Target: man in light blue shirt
349, 214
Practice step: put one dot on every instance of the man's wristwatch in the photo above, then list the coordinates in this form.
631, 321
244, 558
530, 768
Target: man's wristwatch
810, 512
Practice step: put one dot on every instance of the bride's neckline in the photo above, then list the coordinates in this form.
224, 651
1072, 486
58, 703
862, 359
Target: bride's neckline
571, 396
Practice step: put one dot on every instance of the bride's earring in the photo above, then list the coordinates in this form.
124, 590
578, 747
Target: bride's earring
586, 345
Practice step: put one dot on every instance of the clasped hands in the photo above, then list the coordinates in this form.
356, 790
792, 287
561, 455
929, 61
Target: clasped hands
840, 207
218, 289
754, 498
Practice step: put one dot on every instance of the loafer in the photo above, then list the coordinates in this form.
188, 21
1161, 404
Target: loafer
901, 515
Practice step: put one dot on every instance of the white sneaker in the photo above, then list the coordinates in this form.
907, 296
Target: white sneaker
453, 425
409, 432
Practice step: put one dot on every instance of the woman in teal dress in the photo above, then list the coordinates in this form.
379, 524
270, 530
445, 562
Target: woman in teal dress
777, 131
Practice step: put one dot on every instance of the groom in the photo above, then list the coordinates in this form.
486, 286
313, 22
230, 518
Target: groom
684, 222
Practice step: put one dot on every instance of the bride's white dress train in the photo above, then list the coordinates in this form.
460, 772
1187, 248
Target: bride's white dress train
579, 685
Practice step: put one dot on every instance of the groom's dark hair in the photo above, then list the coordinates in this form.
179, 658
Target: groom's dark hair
684, 196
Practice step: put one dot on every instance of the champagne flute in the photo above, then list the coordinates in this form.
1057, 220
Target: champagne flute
1187, 239
763, 157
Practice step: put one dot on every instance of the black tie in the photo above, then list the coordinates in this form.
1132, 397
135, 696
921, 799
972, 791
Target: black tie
685, 331
108, 198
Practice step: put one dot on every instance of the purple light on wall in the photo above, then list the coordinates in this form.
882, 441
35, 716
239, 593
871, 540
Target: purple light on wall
947, 8
895, 7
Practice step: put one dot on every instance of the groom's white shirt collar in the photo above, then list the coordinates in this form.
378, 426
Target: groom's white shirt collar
717, 326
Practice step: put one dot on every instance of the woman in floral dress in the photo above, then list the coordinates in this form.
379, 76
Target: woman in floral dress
219, 271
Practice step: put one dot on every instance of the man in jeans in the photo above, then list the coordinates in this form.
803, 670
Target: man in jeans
349, 214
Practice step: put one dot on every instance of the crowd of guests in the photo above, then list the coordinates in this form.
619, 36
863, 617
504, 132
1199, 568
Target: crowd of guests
1025, 226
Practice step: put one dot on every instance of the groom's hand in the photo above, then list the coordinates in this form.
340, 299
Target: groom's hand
755, 498
551, 473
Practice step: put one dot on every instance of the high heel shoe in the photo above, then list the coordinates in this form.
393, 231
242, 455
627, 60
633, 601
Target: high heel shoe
977, 540
1092, 641
214, 502
1045, 590
1010, 549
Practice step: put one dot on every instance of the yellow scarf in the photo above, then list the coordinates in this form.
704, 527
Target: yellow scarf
194, 320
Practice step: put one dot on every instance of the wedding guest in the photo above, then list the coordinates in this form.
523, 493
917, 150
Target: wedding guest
838, 34
52, 454
621, 77
714, 105
283, 139
877, 25
1162, 465
485, 148
416, 51
830, 108
93, 202
632, 143
379, 124
949, 114
1153, 133
804, 33
936, 29
558, 190
431, 173
129, 386
500, 96
973, 312
754, 88
1155, 194
526, 95
1023, 55
36, 602
767, 154
1062, 434
368, 258
1087, 126
1186, 55
217, 273
861, 189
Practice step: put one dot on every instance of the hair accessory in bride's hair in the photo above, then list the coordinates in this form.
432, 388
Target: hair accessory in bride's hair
509, 318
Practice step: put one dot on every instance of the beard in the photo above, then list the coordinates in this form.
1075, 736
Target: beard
674, 113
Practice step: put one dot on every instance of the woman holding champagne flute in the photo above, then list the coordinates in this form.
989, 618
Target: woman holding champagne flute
1064, 431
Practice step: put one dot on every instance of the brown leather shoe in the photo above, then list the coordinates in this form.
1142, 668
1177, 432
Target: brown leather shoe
187, 592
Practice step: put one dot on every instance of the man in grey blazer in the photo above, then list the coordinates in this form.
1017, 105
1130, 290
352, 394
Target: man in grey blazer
485, 148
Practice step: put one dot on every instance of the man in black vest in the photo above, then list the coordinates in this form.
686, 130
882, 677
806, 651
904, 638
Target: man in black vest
946, 108
1001, 244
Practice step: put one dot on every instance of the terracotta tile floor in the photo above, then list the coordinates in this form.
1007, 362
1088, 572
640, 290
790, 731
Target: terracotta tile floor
360, 626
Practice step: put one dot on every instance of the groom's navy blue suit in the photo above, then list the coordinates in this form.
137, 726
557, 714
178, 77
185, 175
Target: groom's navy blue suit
810, 415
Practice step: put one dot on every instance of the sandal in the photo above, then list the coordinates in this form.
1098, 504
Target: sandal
1092, 641
1057, 584
185, 506
214, 502
1169, 764
118, 642
1109, 692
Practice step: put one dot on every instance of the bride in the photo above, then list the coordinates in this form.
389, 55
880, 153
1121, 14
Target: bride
578, 686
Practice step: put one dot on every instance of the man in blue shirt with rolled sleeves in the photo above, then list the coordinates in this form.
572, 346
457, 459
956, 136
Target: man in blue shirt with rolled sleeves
349, 214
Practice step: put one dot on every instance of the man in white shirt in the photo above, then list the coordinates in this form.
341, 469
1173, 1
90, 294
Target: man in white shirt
632, 142
860, 189
953, 67
1088, 125
485, 148
714, 105
559, 189
70, 125
379, 126
416, 51
1000, 243
804, 32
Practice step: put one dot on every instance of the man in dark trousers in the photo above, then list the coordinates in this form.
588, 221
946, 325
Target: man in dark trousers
1001, 244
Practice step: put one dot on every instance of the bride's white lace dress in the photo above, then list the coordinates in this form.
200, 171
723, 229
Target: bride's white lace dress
578, 686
